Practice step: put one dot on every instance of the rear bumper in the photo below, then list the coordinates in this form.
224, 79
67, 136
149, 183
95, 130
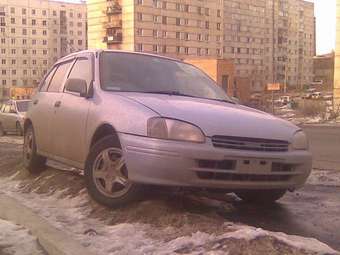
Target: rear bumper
161, 162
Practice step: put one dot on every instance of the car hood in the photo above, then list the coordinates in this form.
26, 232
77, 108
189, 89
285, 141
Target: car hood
218, 118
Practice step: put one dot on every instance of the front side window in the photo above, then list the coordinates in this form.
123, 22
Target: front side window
59, 77
82, 70
128, 72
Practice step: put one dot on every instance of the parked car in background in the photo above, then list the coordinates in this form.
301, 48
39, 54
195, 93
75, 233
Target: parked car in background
133, 119
316, 95
12, 115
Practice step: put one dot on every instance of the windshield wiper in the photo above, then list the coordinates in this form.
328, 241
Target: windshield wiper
171, 93
177, 93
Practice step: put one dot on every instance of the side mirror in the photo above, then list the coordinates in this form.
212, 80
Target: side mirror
78, 86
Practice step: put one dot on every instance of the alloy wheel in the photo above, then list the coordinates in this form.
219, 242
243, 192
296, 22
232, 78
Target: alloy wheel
109, 173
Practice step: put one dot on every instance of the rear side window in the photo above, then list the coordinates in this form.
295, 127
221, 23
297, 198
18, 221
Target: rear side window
46, 82
59, 77
82, 70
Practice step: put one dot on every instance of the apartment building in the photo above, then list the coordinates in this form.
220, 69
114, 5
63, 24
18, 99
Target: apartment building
269, 40
33, 35
294, 43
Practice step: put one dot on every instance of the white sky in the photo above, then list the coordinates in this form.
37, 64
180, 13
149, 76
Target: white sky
325, 24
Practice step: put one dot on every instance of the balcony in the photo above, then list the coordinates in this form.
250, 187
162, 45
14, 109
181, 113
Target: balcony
114, 24
113, 8
113, 39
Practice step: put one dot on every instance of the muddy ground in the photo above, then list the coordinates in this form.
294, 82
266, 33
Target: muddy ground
310, 212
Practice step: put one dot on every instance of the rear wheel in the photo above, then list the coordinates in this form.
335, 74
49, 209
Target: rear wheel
20, 131
33, 162
261, 196
106, 174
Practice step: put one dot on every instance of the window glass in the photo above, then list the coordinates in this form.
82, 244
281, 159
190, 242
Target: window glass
23, 106
6, 109
82, 70
46, 82
148, 74
12, 108
58, 78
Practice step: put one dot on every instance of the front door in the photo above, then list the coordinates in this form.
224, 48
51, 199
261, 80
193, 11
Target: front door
71, 117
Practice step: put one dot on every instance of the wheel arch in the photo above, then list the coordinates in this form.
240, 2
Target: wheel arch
102, 131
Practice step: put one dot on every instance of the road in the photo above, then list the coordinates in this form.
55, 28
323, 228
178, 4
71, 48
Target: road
325, 145
312, 211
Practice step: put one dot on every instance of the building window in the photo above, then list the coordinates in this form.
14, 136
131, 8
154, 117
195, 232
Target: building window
186, 50
24, 21
218, 26
12, 20
13, 51
44, 23
33, 11
164, 20
155, 48
13, 30
34, 22
139, 47
178, 21
23, 11
3, 82
12, 10
139, 16
178, 49
219, 13
44, 12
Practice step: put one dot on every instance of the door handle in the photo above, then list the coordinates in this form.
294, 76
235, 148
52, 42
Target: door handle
35, 101
57, 104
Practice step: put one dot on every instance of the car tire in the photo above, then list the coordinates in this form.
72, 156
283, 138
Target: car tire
2, 131
261, 196
33, 162
20, 131
106, 175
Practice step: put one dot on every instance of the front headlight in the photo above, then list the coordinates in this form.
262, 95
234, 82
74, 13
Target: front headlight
170, 129
300, 141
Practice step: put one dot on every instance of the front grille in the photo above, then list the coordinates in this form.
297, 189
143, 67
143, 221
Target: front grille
242, 177
250, 144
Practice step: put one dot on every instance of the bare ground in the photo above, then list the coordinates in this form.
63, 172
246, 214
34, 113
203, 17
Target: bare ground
172, 214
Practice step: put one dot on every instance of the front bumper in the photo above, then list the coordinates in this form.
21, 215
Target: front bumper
162, 162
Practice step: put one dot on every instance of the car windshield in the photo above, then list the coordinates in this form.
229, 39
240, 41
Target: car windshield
22, 106
126, 72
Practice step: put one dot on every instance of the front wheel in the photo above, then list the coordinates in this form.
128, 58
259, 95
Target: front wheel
106, 174
33, 162
261, 196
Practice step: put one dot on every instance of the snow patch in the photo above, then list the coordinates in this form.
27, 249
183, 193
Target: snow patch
17, 240
71, 215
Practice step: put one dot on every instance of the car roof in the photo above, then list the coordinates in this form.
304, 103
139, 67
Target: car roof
97, 51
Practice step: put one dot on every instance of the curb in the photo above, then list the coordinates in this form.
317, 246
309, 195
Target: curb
54, 241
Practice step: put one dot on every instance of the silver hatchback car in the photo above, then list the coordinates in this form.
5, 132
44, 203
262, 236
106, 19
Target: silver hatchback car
130, 119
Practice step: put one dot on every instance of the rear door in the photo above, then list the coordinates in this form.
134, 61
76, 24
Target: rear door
44, 105
71, 118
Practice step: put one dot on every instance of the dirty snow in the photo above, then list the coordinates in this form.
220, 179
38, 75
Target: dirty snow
12, 139
16, 240
324, 177
71, 214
